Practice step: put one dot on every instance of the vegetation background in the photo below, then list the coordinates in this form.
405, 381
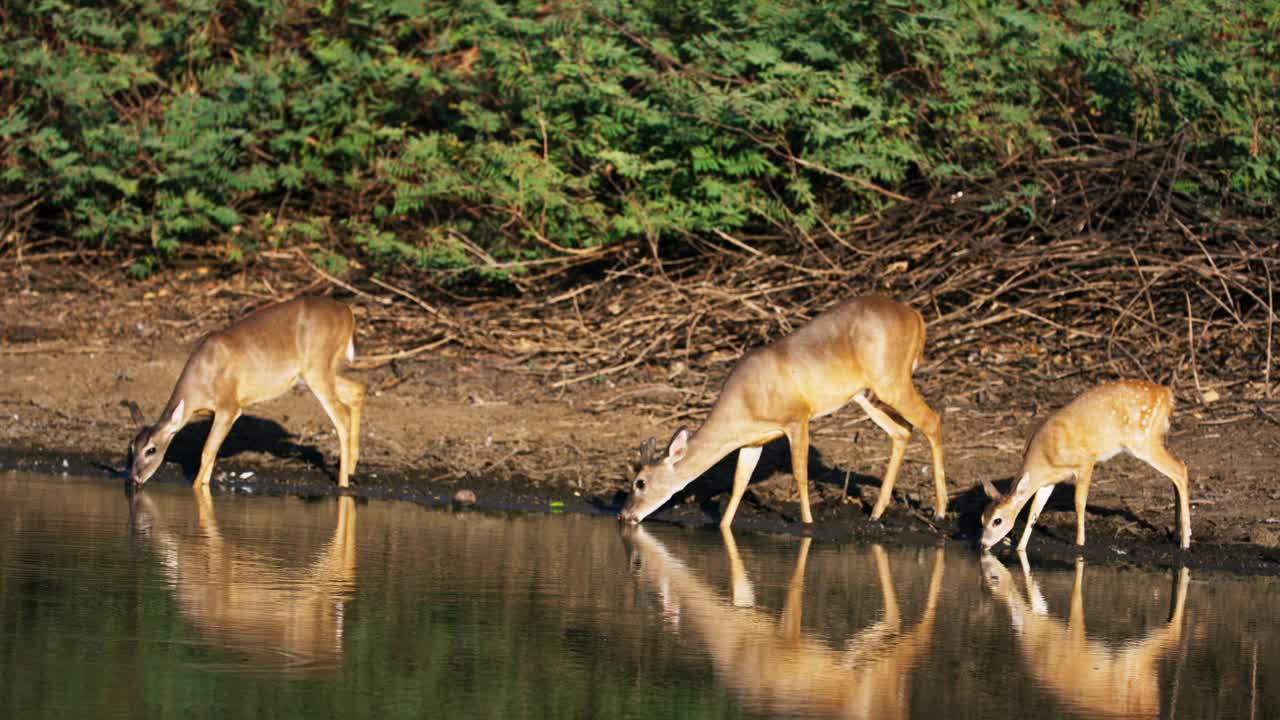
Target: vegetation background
1105, 172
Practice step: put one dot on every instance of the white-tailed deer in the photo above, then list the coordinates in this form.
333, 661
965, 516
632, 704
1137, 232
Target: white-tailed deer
250, 604
1093, 677
1125, 416
769, 660
861, 349
256, 359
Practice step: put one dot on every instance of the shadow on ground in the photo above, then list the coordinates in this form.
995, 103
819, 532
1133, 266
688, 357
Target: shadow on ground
249, 434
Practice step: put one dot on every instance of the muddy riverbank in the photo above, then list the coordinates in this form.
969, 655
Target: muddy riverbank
455, 417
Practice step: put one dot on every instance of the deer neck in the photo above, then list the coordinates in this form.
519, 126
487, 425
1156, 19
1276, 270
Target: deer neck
186, 392
713, 441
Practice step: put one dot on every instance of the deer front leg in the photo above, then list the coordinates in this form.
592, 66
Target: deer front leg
222, 421
1037, 504
747, 459
1083, 477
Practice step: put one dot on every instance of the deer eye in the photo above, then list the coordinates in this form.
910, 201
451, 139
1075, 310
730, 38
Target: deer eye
149, 451
997, 522
640, 484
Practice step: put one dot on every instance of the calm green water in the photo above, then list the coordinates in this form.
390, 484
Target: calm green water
236, 606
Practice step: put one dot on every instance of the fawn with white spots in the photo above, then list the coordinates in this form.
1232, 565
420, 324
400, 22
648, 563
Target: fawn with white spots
1125, 416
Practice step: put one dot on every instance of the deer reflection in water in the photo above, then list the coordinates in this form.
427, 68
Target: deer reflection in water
1090, 676
274, 617
769, 662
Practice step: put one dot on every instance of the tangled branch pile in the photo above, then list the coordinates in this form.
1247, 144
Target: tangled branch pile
1093, 268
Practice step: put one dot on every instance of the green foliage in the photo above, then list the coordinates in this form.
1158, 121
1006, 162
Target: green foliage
485, 133
331, 263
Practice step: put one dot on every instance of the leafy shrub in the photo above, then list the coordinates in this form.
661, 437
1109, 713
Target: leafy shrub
454, 134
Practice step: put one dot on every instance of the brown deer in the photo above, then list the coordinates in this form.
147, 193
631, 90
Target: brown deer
860, 350
255, 359
770, 661
1093, 677
1125, 416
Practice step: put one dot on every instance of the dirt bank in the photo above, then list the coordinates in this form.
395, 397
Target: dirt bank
76, 343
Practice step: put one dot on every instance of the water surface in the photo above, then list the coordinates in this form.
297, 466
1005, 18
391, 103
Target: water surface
189, 606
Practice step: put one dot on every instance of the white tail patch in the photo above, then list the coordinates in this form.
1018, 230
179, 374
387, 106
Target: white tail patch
351, 349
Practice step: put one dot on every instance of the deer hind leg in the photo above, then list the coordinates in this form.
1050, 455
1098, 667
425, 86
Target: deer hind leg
1159, 457
798, 439
905, 401
351, 394
324, 386
747, 459
899, 435
223, 419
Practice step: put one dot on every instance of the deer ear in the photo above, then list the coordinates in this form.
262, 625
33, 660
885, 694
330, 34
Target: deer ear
176, 418
991, 490
648, 449
136, 413
679, 445
1023, 485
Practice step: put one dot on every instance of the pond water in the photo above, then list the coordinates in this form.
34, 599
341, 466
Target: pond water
189, 606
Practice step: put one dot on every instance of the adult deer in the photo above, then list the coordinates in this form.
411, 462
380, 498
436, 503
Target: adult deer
1093, 677
862, 349
1126, 416
769, 660
256, 359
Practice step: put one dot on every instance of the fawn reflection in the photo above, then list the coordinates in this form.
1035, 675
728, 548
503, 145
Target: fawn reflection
768, 661
1090, 676
269, 616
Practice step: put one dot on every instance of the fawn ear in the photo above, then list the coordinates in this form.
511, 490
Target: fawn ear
1023, 486
991, 490
679, 445
136, 413
648, 449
